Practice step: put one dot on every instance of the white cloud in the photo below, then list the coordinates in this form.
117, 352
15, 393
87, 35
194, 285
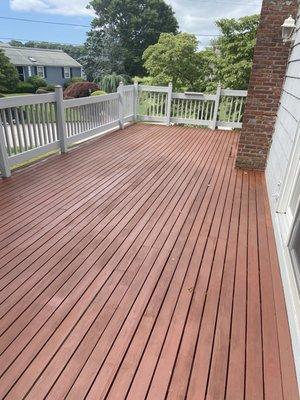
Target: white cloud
28, 5
190, 13
60, 7
194, 16
197, 17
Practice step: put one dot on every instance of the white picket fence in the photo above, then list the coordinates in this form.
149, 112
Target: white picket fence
34, 125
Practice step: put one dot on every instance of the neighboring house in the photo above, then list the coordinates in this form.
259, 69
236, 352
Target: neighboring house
54, 66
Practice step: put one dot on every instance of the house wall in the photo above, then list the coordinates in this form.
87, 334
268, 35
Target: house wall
269, 66
54, 74
76, 72
284, 137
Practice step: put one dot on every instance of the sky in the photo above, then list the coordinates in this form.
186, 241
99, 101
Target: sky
194, 16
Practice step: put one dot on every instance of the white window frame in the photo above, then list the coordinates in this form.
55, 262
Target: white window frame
67, 72
285, 221
288, 189
292, 245
40, 71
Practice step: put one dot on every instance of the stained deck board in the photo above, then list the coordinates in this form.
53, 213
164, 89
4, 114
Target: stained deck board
138, 267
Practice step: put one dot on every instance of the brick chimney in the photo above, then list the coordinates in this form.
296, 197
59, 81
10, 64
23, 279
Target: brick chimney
267, 77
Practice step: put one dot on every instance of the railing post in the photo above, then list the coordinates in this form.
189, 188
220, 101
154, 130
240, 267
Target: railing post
4, 162
169, 103
213, 125
121, 105
135, 100
61, 119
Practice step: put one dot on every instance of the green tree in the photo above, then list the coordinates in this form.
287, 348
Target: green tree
208, 78
234, 50
110, 83
16, 43
104, 55
227, 60
135, 24
9, 77
174, 58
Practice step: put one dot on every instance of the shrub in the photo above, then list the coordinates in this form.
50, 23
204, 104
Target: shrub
50, 88
98, 93
2, 95
76, 79
9, 76
80, 89
110, 83
25, 87
36, 81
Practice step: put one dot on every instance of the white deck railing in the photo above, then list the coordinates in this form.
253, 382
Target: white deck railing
223, 109
34, 125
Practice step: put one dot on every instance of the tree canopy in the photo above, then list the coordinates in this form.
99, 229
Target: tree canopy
134, 25
234, 51
104, 55
8, 74
227, 60
174, 59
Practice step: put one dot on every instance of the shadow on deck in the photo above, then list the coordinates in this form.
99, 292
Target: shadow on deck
142, 265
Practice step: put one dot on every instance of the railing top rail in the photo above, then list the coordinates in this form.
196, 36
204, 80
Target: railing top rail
26, 100
90, 100
232, 92
162, 89
194, 96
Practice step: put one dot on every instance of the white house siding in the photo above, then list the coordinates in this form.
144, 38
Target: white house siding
283, 141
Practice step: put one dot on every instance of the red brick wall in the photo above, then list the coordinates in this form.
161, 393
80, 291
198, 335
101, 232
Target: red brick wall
269, 67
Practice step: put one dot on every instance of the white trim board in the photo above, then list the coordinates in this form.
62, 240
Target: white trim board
289, 283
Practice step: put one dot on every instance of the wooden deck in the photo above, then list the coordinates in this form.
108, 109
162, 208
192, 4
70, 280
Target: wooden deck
141, 265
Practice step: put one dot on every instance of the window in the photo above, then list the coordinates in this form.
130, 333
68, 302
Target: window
40, 71
21, 73
67, 72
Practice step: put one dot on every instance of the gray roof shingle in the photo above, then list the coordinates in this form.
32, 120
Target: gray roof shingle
44, 57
